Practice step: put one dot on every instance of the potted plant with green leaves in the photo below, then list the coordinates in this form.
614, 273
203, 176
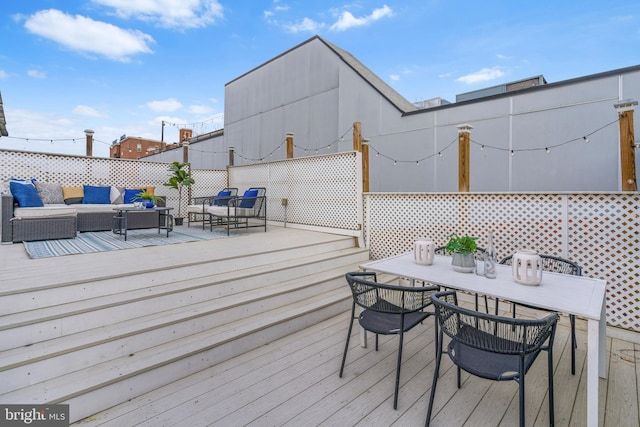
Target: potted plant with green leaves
463, 249
180, 178
148, 199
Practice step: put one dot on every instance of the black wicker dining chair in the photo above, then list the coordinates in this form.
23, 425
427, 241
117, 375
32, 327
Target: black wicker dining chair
478, 255
492, 347
556, 265
387, 310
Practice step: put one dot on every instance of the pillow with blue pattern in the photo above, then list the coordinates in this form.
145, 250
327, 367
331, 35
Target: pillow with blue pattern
25, 193
249, 199
131, 195
222, 199
96, 195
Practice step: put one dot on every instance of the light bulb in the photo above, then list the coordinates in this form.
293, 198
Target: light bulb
547, 150
586, 140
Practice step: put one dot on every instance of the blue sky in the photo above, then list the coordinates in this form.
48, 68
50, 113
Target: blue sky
123, 66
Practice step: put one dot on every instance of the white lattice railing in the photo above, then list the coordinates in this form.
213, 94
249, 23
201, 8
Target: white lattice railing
599, 231
321, 191
80, 170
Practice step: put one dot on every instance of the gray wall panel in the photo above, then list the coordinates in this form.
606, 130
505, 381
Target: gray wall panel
314, 93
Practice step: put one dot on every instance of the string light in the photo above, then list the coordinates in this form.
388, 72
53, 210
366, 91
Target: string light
327, 147
194, 124
586, 140
547, 150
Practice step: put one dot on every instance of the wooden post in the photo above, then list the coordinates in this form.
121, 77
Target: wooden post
289, 139
231, 155
357, 136
627, 144
464, 158
185, 151
89, 133
365, 165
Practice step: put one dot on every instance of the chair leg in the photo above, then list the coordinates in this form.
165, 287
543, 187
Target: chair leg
550, 373
346, 345
436, 374
574, 343
521, 376
398, 366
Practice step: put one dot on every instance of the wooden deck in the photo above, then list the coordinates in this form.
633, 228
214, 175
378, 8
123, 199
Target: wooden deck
294, 382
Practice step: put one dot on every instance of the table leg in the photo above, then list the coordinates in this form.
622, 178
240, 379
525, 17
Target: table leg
602, 342
593, 362
126, 225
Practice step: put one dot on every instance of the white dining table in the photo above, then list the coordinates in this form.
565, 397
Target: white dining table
578, 295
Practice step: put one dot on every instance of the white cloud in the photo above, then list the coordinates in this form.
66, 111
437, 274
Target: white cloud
200, 109
83, 34
394, 77
179, 14
483, 75
36, 74
83, 110
167, 105
4, 74
306, 25
347, 20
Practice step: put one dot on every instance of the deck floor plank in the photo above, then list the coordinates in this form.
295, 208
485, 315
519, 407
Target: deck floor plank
294, 381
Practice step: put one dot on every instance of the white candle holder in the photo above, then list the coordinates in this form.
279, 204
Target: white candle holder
424, 251
527, 267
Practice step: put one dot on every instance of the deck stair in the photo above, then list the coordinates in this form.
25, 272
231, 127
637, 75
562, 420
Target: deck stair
101, 341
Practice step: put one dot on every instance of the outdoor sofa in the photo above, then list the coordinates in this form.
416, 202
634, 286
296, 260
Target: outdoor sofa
64, 211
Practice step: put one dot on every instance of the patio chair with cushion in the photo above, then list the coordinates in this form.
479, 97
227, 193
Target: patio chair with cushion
250, 210
556, 265
492, 347
387, 310
197, 208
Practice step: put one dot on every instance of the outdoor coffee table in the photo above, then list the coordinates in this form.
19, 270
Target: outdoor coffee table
120, 220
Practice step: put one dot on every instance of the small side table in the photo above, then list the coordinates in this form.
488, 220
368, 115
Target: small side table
120, 219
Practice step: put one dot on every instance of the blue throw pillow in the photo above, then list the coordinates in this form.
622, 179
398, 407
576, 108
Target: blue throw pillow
131, 195
249, 199
222, 199
97, 195
26, 194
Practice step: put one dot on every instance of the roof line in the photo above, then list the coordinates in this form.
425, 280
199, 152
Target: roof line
560, 83
387, 92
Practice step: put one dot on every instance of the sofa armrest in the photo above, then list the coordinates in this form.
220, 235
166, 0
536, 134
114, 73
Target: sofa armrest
6, 213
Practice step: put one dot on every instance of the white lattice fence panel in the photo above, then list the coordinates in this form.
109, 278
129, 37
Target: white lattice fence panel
208, 182
321, 190
79, 170
394, 221
597, 231
604, 239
